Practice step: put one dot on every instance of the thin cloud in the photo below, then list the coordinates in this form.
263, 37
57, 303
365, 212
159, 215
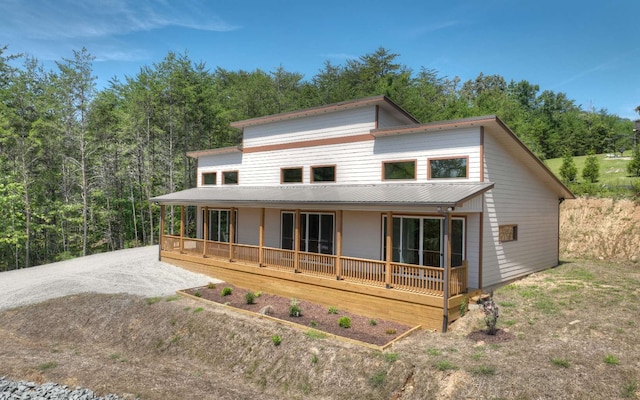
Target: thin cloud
65, 19
426, 29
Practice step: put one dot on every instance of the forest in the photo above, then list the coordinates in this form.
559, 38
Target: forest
78, 163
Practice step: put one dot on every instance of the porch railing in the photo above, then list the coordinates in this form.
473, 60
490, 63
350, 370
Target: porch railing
407, 277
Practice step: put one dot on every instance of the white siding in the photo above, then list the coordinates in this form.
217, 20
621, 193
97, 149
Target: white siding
248, 229
519, 198
361, 234
473, 249
326, 126
272, 228
356, 163
386, 120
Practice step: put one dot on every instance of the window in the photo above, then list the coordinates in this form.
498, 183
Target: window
316, 232
230, 178
208, 178
399, 170
447, 168
323, 174
507, 233
219, 224
291, 175
418, 240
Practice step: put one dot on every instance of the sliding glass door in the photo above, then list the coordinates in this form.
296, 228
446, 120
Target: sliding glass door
419, 240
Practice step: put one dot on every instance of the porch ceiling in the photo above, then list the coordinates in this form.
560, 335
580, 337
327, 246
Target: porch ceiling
379, 195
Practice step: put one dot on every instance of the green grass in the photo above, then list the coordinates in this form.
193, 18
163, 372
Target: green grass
613, 171
444, 365
315, 334
47, 365
560, 362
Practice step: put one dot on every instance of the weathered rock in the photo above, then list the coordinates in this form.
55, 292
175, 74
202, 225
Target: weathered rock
11, 390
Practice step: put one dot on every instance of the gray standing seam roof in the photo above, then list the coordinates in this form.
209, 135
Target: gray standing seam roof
388, 194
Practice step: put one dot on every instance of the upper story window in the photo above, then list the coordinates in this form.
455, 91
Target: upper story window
230, 178
325, 173
291, 175
399, 169
448, 168
208, 178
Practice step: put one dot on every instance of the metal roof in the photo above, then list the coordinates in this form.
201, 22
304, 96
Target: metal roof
387, 194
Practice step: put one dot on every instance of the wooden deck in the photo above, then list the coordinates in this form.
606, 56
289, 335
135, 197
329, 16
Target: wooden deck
406, 293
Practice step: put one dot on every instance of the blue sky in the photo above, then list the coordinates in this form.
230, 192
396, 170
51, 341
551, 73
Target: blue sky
586, 49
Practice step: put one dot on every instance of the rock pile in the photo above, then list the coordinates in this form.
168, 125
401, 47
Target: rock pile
10, 390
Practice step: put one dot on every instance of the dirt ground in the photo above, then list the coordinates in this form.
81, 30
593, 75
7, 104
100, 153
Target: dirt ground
572, 334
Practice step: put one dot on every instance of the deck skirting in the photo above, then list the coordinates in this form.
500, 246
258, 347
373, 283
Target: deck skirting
371, 301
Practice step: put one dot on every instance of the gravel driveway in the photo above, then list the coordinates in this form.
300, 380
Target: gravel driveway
135, 271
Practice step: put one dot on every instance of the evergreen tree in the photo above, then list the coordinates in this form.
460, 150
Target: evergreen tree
568, 170
633, 168
591, 171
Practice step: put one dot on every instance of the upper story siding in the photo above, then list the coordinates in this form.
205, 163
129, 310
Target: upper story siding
357, 162
333, 125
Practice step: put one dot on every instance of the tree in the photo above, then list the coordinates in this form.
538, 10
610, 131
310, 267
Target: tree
633, 168
568, 170
591, 171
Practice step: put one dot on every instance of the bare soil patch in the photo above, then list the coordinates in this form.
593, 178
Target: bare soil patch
374, 331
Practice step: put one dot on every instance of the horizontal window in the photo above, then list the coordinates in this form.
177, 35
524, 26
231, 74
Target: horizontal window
230, 178
209, 178
291, 175
399, 170
447, 168
507, 233
323, 173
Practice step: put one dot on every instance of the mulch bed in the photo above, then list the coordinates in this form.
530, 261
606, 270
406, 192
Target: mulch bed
364, 329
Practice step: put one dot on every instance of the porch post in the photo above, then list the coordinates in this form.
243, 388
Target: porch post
447, 270
296, 242
232, 229
205, 231
338, 244
261, 239
162, 210
389, 252
182, 228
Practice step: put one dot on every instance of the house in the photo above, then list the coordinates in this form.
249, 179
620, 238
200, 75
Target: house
358, 205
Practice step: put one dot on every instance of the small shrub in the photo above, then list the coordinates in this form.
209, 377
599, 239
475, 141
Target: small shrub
258, 294
464, 306
276, 339
314, 359
313, 324
373, 322
197, 294
226, 291
344, 322
560, 362
491, 314
391, 331
250, 298
333, 310
294, 308
378, 378
211, 285
611, 359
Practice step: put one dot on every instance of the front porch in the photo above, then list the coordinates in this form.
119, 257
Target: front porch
406, 293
